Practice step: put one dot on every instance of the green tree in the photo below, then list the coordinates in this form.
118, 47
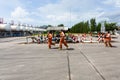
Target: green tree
60, 25
110, 26
49, 25
81, 27
98, 27
85, 27
93, 24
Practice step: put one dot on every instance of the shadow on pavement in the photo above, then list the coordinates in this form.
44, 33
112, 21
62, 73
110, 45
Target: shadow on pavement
63, 49
114, 47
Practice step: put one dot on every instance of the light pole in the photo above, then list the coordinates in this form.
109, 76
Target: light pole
102, 27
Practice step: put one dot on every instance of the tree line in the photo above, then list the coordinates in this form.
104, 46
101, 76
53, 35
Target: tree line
92, 26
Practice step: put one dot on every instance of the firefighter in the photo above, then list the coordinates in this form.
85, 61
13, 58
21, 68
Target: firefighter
50, 40
107, 39
62, 40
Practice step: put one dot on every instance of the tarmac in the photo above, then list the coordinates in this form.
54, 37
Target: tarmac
82, 61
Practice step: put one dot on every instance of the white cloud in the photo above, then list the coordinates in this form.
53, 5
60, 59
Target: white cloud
113, 17
115, 3
6, 6
74, 12
19, 13
9, 3
118, 3
65, 11
108, 1
63, 17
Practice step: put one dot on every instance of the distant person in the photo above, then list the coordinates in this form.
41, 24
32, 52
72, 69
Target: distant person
103, 36
38, 39
90, 35
78, 37
84, 36
82, 39
50, 40
99, 37
107, 39
62, 40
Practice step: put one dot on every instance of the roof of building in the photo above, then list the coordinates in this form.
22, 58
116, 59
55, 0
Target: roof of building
57, 28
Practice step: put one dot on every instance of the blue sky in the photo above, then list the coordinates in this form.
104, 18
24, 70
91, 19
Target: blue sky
54, 12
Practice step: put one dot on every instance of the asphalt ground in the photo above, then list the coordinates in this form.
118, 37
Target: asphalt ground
81, 61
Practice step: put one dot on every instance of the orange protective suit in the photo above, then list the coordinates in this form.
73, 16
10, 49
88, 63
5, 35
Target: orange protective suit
62, 40
107, 40
49, 40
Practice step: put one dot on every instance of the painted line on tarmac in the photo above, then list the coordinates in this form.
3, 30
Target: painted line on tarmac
69, 70
94, 67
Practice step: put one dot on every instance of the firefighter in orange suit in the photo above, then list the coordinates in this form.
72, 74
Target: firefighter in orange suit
50, 40
107, 39
62, 40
